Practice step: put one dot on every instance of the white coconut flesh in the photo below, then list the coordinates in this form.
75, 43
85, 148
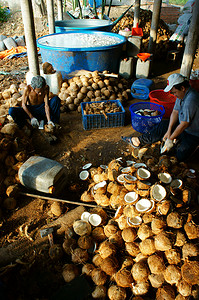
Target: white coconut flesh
143, 173
131, 197
130, 178
176, 183
85, 216
165, 177
134, 221
130, 163
143, 205
152, 207
95, 219
126, 170
139, 165
104, 167
120, 178
158, 192
100, 185
118, 212
84, 175
87, 166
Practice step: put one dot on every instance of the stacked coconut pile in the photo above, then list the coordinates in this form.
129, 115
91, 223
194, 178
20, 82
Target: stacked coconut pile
149, 247
163, 33
93, 86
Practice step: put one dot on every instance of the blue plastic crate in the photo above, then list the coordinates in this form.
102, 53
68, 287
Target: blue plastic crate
95, 121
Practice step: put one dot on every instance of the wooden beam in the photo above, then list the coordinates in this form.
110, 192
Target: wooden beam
60, 9
51, 17
136, 13
154, 25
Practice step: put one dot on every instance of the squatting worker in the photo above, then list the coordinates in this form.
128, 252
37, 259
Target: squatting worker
36, 105
183, 125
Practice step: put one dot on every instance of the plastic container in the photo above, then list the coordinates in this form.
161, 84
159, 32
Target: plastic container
97, 121
98, 3
163, 98
140, 88
126, 67
133, 45
142, 68
43, 174
144, 124
67, 59
83, 24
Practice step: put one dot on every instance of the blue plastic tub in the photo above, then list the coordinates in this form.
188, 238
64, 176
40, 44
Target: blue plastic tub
97, 121
83, 24
144, 124
98, 3
67, 59
140, 88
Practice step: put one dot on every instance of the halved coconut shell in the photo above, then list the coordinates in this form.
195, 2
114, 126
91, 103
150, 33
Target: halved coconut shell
158, 192
143, 205
121, 179
85, 216
139, 165
165, 177
95, 219
134, 221
84, 175
130, 178
143, 185
126, 170
131, 197
143, 174
176, 183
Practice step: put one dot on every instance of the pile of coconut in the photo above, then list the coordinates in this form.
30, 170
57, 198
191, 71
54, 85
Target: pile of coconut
148, 245
93, 86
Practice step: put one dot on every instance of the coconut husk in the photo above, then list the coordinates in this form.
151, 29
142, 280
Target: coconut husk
102, 200
132, 248
190, 272
117, 239
192, 230
99, 292
115, 201
163, 241
140, 271
97, 260
156, 264
144, 231
140, 257
114, 188
165, 292
184, 288
85, 242
98, 234
147, 218
175, 220
110, 265
122, 222
70, 271
158, 224
180, 239
156, 280
172, 274
110, 229
87, 197
130, 211
79, 256
87, 269
147, 247
140, 288
130, 186
127, 262
97, 178
190, 250
98, 276
129, 234
106, 249
173, 256
143, 193
163, 207
116, 293
123, 278
143, 185
101, 212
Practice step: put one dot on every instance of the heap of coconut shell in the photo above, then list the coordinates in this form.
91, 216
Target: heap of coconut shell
148, 247
92, 87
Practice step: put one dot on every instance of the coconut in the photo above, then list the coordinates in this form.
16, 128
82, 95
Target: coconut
79, 256
156, 264
140, 257
173, 256
147, 218
85, 242
175, 220
102, 200
81, 227
190, 272
94, 219
158, 225
140, 288
163, 207
140, 271
99, 277
190, 250
9, 128
147, 247
135, 221
101, 212
180, 239
163, 241
100, 188
106, 249
127, 262
98, 234
87, 269
143, 174
158, 192
165, 292
109, 265
99, 292
144, 232
172, 274
130, 211
117, 239
56, 209
156, 280
132, 248
70, 271
110, 229
143, 185
10, 203
122, 222
184, 288
131, 197
55, 252
143, 205
129, 234
123, 278
97, 260
116, 293
165, 177
192, 230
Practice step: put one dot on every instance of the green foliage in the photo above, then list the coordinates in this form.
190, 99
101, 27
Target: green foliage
178, 2
3, 14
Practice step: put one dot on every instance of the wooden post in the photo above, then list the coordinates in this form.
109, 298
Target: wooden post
136, 13
154, 25
29, 29
60, 9
51, 18
192, 42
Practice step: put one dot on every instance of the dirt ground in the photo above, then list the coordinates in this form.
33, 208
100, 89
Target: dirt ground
36, 276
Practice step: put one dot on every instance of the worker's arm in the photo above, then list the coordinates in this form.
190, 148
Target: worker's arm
46, 101
25, 100
179, 129
173, 120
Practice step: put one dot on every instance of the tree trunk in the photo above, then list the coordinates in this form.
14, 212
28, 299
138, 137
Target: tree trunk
136, 13
60, 9
154, 25
51, 18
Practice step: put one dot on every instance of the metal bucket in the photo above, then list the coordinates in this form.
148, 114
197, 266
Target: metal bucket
66, 59
83, 24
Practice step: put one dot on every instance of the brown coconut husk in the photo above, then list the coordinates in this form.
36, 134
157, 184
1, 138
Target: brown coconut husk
97, 260
172, 274
114, 188
69, 245
158, 225
130, 186
163, 207
180, 239
110, 229
110, 265
87, 269
85, 242
98, 234
132, 248
163, 241
79, 256
147, 247
106, 249
144, 231
190, 250
190, 272
102, 200
129, 234
140, 288
143, 193
156, 280
184, 288
140, 257
130, 211
116, 293
123, 278
147, 218
122, 222
192, 230
140, 271
87, 197
156, 264
165, 292
143, 185
127, 262
115, 201
173, 256
70, 271
81, 227
100, 177
98, 276
117, 239
99, 292
175, 220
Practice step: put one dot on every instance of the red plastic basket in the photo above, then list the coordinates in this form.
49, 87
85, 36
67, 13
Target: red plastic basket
163, 98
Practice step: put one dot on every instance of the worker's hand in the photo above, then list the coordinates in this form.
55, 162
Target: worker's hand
34, 122
166, 136
167, 146
51, 123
